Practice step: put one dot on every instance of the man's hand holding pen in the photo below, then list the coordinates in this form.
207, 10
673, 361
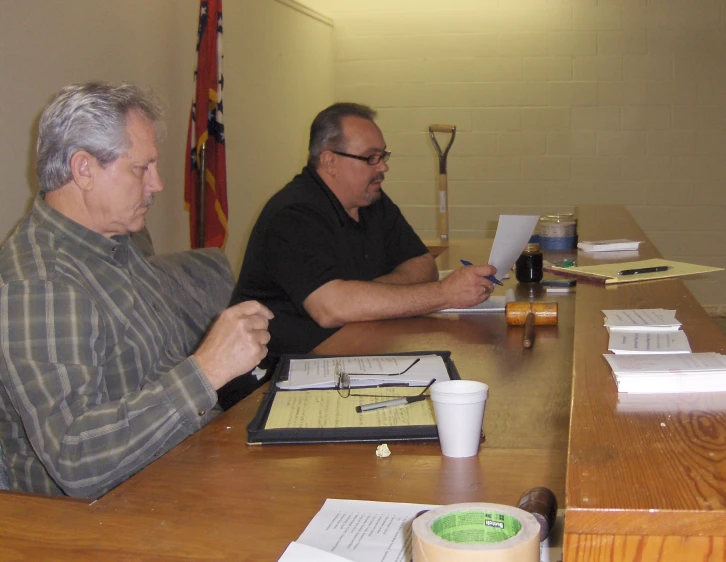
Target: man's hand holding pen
469, 286
491, 278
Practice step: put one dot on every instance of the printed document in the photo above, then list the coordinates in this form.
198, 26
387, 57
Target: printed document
365, 371
624, 343
641, 320
669, 373
366, 531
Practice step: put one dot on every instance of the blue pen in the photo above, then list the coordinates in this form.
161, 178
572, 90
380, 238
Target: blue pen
490, 277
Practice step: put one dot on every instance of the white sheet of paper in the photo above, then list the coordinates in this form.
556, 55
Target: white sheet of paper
320, 372
625, 342
367, 531
492, 304
513, 233
641, 319
298, 552
668, 365
363, 531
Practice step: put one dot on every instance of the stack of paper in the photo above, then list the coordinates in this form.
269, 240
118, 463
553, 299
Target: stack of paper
641, 320
608, 245
673, 403
364, 371
630, 343
663, 373
652, 330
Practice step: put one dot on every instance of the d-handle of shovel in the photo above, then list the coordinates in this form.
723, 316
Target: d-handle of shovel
443, 215
449, 129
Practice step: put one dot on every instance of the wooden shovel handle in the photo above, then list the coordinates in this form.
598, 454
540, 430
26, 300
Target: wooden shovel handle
439, 128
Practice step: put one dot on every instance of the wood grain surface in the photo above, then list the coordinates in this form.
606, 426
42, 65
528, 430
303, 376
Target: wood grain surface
640, 466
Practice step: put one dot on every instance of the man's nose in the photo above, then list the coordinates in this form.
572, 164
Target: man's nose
155, 184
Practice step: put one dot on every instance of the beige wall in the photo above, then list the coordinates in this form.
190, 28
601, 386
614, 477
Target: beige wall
278, 72
278, 76
557, 103
46, 44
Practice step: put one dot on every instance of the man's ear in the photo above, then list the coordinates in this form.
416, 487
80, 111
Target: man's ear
82, 166
328, 163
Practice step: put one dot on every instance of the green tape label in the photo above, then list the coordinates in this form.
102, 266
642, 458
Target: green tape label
475, 527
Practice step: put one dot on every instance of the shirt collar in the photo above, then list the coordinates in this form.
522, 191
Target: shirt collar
343, 217
79, 236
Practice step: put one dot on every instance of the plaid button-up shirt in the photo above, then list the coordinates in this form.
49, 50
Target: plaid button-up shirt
96, 382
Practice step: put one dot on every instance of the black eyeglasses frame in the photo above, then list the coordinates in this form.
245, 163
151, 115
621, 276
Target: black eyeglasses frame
372, 160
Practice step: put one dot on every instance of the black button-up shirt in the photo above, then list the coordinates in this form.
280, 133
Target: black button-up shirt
302, 240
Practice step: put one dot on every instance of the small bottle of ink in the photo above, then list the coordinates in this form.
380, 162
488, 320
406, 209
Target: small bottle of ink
528, 268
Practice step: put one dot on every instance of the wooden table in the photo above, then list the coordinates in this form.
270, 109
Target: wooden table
646, 480
214, 498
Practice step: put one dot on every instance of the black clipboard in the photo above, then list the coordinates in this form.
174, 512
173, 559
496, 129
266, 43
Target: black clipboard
258, 435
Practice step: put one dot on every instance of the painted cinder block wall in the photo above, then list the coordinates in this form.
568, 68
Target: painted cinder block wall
557, 103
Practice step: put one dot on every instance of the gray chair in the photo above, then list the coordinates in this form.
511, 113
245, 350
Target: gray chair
199, 285
4, 482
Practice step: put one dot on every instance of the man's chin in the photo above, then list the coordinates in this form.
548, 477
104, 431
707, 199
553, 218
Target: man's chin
138, 225
373, 194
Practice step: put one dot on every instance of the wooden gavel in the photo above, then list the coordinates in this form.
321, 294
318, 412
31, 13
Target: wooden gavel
529, 315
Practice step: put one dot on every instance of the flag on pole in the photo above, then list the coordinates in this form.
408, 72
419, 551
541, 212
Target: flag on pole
206, 128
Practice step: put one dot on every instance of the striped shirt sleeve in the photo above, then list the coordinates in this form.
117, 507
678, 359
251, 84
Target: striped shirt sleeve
55, 344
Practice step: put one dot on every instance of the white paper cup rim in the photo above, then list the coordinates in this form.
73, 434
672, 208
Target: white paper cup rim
459, 388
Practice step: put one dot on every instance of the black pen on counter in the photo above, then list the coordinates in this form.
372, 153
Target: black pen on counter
490, 277
395, 402
644, 270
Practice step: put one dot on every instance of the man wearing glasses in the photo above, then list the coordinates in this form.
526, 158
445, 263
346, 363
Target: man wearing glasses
332, 248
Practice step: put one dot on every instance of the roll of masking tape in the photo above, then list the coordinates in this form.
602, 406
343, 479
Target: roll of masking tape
476, 532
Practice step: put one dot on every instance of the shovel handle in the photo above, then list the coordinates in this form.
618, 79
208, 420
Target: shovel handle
451, 129
443, 214
439, 128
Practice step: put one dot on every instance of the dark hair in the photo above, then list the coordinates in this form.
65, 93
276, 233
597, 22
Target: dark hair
91, 117
326, 132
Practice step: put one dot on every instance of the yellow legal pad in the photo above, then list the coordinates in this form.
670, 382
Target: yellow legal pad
608, 273
318, 409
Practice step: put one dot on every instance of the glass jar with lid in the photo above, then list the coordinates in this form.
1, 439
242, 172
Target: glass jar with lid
528, 268
558, 231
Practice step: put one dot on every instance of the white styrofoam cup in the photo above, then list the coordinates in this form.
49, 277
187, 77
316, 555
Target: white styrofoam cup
459, 409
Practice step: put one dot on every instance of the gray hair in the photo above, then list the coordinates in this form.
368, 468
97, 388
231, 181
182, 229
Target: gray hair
326, 132
91, 117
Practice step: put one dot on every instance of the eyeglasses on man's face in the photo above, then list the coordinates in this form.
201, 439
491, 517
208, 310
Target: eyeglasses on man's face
372, 160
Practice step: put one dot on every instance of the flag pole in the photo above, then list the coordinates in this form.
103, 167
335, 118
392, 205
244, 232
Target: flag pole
205, 176
201, 199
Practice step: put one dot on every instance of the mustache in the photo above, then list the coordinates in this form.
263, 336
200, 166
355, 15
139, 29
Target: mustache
379, 177
149, 202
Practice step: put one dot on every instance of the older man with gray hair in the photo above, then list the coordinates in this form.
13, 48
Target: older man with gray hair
96, 380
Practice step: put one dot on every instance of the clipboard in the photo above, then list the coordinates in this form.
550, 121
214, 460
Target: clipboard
608, 273
258, 432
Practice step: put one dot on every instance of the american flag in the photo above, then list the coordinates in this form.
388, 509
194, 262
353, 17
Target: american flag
206, 125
